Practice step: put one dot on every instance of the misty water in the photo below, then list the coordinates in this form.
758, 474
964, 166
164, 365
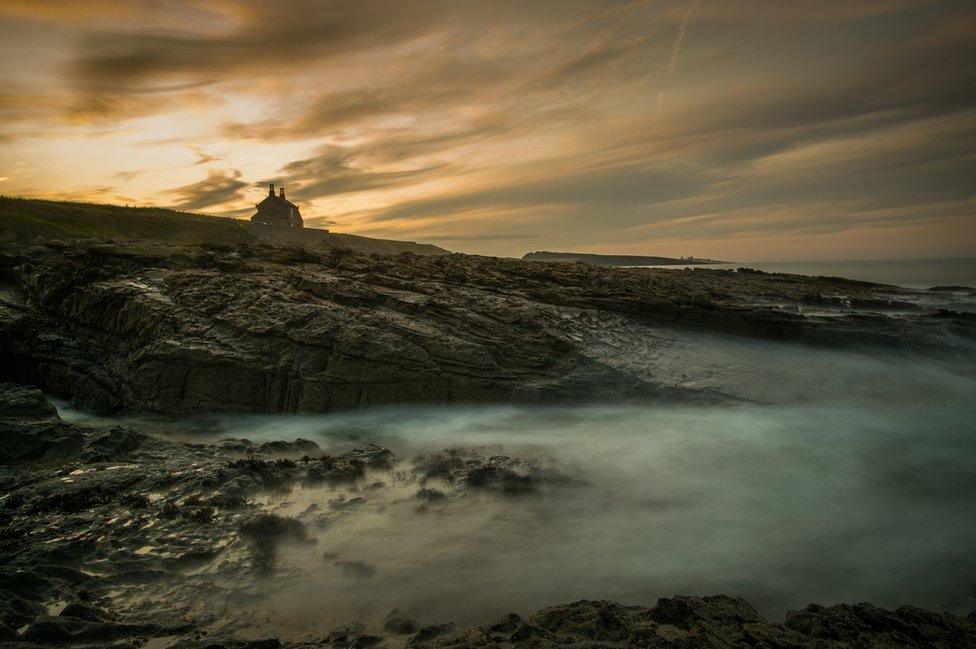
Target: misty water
861, 491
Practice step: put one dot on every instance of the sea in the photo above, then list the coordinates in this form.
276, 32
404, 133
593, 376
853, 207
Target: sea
910, 273
859, 487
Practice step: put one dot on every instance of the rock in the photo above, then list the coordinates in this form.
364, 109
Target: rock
83, 611
46, 441
357, 569
498, 477
31, 430
867, 625
429, 633
112, 444
265, 532
492, 473
372, 456
429, 495
230, 643
269, 475
345, 468
147, 327
347, 503
706, 622
236, 445
353, 637
294, 449
161, 537
64, 630
397, 624
25, 402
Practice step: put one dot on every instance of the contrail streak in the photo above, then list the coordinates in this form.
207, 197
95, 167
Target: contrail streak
676, 51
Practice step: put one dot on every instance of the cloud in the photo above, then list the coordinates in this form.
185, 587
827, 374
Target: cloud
609, 188
202, 157
430, 47
68, 10
264, 36
218, 188
675, 52
473, 122
333, 172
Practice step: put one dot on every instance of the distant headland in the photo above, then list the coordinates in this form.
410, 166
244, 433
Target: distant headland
614, 260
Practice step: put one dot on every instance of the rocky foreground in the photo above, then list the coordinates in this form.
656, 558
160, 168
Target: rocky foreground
263, 328
111, 537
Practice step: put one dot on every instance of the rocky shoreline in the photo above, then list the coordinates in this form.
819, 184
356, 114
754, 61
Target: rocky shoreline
615, 260
115, 537
146, 327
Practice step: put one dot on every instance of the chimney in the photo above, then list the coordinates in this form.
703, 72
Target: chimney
281, 192
271, 189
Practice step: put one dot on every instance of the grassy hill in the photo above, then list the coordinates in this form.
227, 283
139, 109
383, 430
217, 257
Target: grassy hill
28, 218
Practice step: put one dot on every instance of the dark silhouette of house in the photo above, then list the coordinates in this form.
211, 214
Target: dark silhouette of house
277, 211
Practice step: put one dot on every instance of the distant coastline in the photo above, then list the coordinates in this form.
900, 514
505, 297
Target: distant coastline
614, 260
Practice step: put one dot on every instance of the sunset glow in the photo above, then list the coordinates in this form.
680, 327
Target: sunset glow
748, 130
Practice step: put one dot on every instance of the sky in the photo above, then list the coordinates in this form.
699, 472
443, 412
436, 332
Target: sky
747, 130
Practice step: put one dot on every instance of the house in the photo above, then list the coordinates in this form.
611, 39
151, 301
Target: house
277, 210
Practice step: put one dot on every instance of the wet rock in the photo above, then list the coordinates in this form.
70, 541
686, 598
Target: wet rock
882, 304
83, 492
501, 478
336, 470
25, 402
112, 445
373, 456
19, 606
83, 611
707, 622
347, 503
357, 569
211, 643
7, 634
177, 329
294, 449
161, 535
272, 528
476, 470
353, 637
266, 474
398, 624
530, 633
867, 625
25, 583
430, 496
39, 441
445, 465
431, 633
37, 434
237, 445
351, 465
65, 630
30, 429
264, 533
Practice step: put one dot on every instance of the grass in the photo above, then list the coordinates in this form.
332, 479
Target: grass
28, 218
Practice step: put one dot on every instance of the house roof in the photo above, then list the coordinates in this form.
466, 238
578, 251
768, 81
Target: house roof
276, 201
